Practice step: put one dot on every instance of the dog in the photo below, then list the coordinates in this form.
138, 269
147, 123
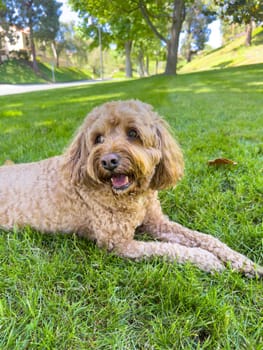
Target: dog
105, 187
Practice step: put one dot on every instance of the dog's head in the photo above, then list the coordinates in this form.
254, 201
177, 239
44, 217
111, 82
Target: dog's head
124, 145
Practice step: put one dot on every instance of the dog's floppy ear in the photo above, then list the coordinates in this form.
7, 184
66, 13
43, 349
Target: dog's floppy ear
76, 158
171, 166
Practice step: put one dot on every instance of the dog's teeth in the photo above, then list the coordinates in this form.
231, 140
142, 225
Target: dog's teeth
119, 180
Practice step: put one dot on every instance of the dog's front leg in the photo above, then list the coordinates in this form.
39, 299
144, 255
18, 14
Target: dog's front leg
174, 252
173, 232
133, 249
161, 228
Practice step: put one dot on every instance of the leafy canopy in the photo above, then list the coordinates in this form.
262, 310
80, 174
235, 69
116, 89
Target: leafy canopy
241, 11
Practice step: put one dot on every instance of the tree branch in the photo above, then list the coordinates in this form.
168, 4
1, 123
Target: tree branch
149, 22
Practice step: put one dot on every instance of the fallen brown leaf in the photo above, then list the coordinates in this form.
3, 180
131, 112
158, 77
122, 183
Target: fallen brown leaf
221, 161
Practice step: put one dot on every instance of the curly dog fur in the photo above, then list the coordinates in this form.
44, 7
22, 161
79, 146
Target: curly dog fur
104, 187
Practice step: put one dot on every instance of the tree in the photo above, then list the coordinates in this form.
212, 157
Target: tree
131, 33
231, 31
195, 27
122, 23
163, 14
124, 19
242, 12
6, 30
124, 32
3, 28
79, 48
48, 25
119, 22
41, 17
63, 41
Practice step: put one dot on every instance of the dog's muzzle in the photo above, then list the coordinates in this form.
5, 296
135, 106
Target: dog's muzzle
119, 181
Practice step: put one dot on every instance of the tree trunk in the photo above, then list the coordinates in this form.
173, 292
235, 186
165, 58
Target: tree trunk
178, 14
147, 70
32, 46
156, 66
141, 63
173, 42
128, 63
188, 42
188, 55
188, 45
249, 29
55, 53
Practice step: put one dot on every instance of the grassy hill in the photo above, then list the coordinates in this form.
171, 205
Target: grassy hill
232, 54
20, 72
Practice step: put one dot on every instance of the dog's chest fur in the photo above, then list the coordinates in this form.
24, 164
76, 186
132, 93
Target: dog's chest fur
117, 216
47, 201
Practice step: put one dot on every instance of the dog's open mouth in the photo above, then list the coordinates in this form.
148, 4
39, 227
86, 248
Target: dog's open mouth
120, 182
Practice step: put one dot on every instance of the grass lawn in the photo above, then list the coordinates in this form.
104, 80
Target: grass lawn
61, 292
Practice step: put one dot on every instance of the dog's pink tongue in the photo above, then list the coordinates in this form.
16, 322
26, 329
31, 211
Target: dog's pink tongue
119, 180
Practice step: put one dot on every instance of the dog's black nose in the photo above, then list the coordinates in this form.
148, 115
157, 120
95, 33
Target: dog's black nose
110, 161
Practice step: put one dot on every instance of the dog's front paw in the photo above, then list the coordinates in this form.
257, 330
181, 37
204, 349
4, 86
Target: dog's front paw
247, 267
206, 261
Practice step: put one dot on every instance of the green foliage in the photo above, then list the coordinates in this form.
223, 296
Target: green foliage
195, 27
119, 23
116, 20
126, 22
40, 17
241, 11
48, 25
61, 292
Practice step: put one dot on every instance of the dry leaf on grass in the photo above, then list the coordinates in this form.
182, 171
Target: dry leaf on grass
221, 161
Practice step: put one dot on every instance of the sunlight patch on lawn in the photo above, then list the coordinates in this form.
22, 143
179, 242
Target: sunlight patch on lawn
255, 83
203, 90
45, 123
12, 113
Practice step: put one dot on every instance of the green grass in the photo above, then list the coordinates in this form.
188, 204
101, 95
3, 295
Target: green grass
233, 54
61, 292
19, 72
64, 74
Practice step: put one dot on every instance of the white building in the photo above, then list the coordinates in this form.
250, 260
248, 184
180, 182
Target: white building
20, 43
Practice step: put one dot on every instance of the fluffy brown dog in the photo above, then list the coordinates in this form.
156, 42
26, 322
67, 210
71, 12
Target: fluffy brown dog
105, 188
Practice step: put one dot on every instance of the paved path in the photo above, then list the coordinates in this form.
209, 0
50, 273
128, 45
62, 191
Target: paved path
9, 89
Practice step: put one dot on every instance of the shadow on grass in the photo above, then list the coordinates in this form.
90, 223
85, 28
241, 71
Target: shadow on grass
20, 72
223, 64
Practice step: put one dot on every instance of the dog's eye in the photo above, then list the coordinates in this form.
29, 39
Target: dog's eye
99, 139
132, 134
